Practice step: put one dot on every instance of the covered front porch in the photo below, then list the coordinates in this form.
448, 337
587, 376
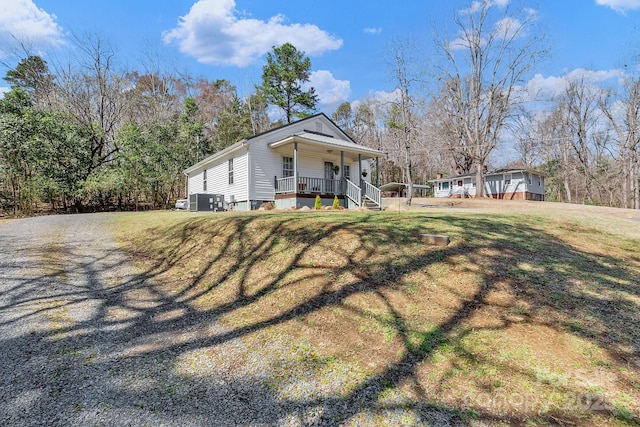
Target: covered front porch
326, 167
349, 194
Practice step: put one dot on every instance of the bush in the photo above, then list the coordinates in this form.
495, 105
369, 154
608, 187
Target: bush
336, 203
318, 204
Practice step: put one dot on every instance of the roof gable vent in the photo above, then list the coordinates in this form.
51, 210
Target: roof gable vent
319, 127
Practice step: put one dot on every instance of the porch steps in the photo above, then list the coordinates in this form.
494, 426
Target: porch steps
369, 205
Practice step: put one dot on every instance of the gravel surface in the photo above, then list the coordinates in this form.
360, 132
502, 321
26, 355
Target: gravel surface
87, 340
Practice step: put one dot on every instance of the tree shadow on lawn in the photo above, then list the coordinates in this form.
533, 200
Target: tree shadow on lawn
182, 341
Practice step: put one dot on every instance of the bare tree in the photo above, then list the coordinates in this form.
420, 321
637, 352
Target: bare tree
94, 94
557, 153
403, 121
527, 131
626, 125
447, 131
480, 72
580, 105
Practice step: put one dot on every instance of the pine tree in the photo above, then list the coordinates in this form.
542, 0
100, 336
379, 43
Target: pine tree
283, 76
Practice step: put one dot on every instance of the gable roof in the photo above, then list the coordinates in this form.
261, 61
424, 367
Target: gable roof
327, 141
296, 123
305, 136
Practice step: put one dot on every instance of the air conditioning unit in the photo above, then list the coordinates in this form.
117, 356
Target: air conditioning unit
203, 202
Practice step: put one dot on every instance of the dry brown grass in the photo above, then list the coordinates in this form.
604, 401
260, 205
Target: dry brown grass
530, 316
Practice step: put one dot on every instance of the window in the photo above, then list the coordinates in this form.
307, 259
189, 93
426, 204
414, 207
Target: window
287, 167
445, 185
507, 179
204, 180
230, 171
347, 171
460, 183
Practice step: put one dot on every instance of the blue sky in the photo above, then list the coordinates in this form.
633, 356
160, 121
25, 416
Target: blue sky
346, 40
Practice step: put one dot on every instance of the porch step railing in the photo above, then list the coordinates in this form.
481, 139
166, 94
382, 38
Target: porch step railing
372, 193
354, 193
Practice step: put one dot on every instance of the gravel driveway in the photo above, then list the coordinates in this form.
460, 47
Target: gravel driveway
84, 341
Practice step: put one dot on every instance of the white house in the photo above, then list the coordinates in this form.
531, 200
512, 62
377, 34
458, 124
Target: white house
289, 166
513, 184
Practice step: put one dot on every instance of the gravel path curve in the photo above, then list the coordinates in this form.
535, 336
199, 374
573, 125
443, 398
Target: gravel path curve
87, 340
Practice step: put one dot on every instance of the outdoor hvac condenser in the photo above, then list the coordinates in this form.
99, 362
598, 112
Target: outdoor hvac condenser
206, 202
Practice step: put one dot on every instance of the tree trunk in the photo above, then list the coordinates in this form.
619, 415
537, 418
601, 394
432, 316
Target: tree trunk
567, 187
480, 180
627, 184
409, 178
635, 184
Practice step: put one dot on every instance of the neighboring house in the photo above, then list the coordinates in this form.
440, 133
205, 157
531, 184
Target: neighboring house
513, 184
289, 166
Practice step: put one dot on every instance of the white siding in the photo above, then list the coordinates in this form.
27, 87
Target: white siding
537, 184
256, 168
442, 189
266, 163
518, 184
195, 183
218, 178
493, 184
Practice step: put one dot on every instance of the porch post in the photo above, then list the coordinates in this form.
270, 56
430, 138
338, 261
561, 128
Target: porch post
295, 167
377, 172
360, 175
342, 172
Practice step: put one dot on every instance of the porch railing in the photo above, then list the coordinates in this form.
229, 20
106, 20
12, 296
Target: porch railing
308, 185
372, 193
285, 185
347, 187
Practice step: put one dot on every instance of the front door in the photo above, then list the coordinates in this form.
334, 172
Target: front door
328, 177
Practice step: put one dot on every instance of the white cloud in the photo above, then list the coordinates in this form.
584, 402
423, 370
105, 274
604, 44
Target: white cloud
329, 89
372, 30
3, 90
21, 21
508, 28
465, 42
385, 98
214, 32
540, 87
477, 5
620, 5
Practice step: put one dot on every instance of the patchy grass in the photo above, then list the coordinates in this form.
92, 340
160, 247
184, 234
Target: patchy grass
526, 318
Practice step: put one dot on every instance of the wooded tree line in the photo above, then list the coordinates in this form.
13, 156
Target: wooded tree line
88, 135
